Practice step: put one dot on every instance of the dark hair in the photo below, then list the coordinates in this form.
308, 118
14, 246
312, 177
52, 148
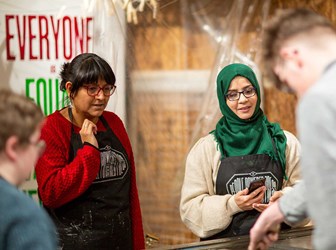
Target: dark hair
85, 68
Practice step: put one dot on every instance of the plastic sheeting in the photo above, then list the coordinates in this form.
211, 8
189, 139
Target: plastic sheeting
173, 63
238, 41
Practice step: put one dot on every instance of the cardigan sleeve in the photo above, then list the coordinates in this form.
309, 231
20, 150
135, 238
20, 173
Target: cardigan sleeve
293, 172
201, 210
293, 153
59, 181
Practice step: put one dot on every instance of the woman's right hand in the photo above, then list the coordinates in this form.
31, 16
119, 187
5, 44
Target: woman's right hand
245, 200
88, 131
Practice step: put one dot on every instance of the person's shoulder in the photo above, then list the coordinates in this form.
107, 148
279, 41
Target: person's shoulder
291, 138
9, 193
289, 134
15, 200
21, 214
318, 99
55, 117
111, 115
323, 89
207, 141
54, 125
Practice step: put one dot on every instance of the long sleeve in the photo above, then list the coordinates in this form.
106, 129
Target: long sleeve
59, 181
293, 154
316, 121
294, 173
203, 212
293, 204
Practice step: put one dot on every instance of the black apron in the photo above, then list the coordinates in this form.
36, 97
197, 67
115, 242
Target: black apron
100, 217
235, 174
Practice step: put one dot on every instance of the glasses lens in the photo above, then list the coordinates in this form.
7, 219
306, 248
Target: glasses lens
232, 96
249, 92
92, 90
108, 90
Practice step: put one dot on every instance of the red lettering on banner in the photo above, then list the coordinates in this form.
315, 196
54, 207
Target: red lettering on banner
8, 38
66, 21
28, 36
78, 36
32, 37
55, 33
44, 36
21, 41
88, 37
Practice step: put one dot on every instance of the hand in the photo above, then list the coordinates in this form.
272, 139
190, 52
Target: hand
275, 196
266, 229
267, 241
245, 201
88, 131
261, 207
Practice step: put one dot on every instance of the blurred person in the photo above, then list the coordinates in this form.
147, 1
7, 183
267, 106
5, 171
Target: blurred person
23, 224
86, 178
299, 48
245, 146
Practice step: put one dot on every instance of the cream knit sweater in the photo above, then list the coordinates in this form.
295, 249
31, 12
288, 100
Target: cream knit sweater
206, 213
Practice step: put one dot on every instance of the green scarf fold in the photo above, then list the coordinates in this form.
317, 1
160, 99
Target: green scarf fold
237, 137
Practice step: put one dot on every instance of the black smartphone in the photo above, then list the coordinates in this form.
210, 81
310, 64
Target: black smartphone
256, 184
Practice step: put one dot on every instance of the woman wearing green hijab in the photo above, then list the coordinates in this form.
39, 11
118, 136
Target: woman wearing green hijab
244, 147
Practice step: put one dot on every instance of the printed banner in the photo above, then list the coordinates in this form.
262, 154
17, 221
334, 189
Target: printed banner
37, 37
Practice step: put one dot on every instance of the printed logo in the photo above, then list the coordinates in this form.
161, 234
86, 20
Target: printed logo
238, 182
113, 165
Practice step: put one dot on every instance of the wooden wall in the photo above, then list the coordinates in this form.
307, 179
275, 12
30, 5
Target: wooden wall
161, 123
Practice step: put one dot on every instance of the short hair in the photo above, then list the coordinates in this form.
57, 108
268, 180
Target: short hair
19, 116
284, 25
86, 68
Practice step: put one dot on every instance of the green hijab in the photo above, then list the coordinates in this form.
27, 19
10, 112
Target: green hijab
237, 137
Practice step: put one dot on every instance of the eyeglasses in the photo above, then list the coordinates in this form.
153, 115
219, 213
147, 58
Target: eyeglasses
93, 90
235, 95
40, 145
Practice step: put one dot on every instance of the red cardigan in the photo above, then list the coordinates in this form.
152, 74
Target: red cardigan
60, 182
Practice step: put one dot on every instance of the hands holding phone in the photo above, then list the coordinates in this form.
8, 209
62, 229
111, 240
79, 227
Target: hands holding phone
251, 198
252, 195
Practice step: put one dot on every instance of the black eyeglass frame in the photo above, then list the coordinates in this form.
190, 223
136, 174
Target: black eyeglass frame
242, 92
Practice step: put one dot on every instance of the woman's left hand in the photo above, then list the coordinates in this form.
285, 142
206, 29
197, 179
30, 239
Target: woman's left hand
261, 207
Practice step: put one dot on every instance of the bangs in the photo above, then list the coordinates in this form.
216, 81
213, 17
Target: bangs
91, 71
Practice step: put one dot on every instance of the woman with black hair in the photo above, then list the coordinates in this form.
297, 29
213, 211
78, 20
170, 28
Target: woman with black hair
86, 178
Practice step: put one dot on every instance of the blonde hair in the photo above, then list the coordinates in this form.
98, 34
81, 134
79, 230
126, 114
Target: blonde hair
19, 116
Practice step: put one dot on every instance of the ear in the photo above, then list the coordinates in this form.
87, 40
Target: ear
292, 54
11, 147
68, 87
